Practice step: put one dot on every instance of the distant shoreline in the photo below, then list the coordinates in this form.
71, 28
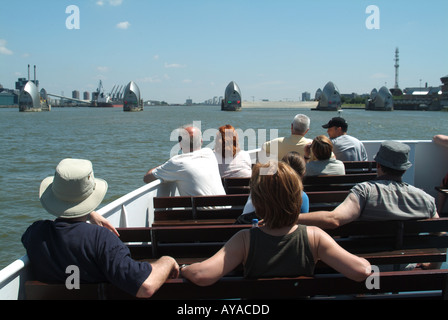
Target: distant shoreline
268, 105
280, 104
292, 105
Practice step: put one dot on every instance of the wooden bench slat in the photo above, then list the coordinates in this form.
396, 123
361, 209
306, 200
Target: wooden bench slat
356, 172
304, 287
434, 281
359, 166
335, 182
225, 207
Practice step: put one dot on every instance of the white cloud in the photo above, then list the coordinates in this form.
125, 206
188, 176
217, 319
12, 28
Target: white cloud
150, 80
379, 76
187, 81
156, 57
102, 69
174, 65
123, 25
3, 49
113, 3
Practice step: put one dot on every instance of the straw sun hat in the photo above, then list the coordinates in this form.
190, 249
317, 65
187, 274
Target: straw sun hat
73, 192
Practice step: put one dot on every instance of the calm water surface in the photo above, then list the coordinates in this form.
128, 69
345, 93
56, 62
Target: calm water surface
123, 146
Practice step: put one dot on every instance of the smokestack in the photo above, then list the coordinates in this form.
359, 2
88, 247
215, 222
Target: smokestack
28, 72
34, 74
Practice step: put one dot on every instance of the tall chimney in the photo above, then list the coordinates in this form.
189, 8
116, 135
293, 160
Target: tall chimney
28, 72
35, 74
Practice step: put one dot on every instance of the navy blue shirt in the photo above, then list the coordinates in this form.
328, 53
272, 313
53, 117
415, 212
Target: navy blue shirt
99, 254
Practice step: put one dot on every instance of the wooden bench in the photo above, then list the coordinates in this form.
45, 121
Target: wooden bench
326, 200
356, 171
382, 242
198, 210
430, 284
224, 209
355, 167
335, 182
236, 185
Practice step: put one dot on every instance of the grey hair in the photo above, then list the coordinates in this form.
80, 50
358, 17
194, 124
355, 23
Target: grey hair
301, 123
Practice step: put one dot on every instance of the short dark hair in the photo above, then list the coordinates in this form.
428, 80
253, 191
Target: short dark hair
392, 172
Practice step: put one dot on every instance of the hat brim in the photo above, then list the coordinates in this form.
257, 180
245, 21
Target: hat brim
388, 164
65, 209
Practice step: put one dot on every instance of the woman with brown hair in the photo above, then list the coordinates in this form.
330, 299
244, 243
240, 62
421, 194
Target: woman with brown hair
280, 247
325, 164
232, 161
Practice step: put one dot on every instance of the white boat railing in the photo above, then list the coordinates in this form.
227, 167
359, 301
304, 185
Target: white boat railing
136, 208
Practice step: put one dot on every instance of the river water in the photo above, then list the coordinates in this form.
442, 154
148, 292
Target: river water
123, 146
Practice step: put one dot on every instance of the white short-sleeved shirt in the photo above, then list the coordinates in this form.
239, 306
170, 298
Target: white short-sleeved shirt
195, 173
240, 166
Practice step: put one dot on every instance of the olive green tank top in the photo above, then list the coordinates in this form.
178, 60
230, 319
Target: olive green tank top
279, 256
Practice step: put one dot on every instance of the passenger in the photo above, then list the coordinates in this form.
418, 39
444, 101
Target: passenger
441, 140
100, 256
296, 162
232, 161
295, 142
345, 147
322, 149
280, 247
385, 198
195, 171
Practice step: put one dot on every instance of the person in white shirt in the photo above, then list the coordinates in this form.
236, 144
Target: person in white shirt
195, 171
232, 161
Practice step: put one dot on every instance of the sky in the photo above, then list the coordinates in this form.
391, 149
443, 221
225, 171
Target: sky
191, 49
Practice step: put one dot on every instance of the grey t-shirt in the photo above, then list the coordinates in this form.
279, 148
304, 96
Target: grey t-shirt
390, 200
348, 148
325, 167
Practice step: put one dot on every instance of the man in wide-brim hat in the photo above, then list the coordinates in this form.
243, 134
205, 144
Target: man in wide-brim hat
72, 195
